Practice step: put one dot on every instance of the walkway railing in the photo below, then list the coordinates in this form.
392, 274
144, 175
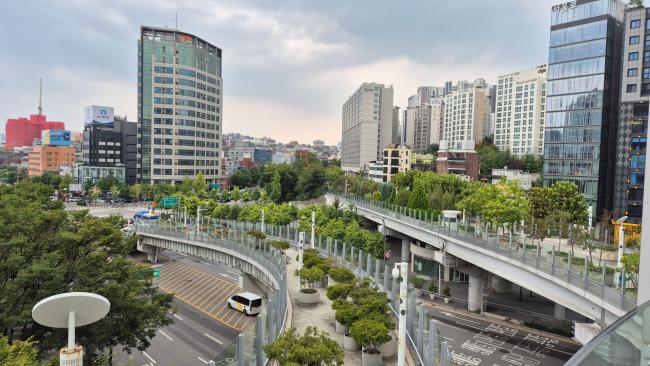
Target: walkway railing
248, 349
597, 281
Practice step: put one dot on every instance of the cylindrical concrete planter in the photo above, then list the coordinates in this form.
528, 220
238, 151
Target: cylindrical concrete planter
305, 298
340, 328
432, 296
389, 349
447, 300
371, 357
349, 344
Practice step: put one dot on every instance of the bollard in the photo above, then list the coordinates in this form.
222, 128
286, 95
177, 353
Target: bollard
240, 350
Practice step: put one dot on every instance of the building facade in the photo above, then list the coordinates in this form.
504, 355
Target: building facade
465, 115
520, 112
396, 159
22, 131
582, 96
437, 120
179, 106
49, 159
525, 179
397, 136
367, 125
109, 145
632, 129
418, 133
459, 159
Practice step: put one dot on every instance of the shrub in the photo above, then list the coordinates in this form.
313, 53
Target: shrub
339, 291
446, 292
416, 281
280, 245
256, 234
347, 315
339, 303
433, 288
340, 274
308, 277
81, 203
312, 348
369, 333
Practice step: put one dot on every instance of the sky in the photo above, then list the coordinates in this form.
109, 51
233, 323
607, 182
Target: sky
288, 65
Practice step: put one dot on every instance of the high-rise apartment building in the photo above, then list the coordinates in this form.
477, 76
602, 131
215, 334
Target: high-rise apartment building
632, 129
418, 133
582, 96
179, 106
367, 125
437, 120
465, 115
397, 136
520, 112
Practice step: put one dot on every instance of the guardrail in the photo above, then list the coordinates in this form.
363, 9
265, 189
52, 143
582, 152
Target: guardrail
597, 281
248, 349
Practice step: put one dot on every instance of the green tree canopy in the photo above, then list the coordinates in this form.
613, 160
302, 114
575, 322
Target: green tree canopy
313, 348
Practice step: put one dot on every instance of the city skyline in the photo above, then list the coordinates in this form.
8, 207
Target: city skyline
316, 54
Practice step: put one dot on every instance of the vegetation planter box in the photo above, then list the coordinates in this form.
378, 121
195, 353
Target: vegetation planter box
340, 328
349, 344
308, 298
389, 349
371, 357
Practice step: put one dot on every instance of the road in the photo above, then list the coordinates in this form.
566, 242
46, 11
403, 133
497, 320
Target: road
474, 341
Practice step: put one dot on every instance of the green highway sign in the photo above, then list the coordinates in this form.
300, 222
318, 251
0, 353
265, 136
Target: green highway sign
156, 272
215, 186
169, 202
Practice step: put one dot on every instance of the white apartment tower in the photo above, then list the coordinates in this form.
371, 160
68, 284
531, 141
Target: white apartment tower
418, 132
367, 125
520, 112
465, 115
437, 120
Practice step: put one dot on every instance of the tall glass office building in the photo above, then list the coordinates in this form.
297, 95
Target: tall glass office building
582, 97
179, 106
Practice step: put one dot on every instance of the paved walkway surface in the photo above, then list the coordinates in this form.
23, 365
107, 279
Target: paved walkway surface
320, 316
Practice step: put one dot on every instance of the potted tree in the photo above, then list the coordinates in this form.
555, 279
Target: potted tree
308, 294
281, 245
418, 283
433, 289
312, 348
446, 294
345, 316
370, 334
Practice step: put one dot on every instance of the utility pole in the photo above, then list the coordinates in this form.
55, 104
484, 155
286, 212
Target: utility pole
401, 271
313, 226
40, 97
262, 220
198, 219
185, 216
301, 247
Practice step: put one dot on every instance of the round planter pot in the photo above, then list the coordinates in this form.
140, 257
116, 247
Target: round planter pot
447, 300
340, 328
389, 349
305, 298
319, 284
432, 296
371, 357
349, 344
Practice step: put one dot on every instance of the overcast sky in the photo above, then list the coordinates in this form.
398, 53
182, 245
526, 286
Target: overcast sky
288, 65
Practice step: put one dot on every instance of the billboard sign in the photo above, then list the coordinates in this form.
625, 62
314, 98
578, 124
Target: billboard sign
56, 138
99, 114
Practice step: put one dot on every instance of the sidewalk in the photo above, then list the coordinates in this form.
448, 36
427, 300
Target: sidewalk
320, 316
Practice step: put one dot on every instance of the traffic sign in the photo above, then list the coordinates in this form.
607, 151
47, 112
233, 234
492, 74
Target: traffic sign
215, 186
169, 202
156, 275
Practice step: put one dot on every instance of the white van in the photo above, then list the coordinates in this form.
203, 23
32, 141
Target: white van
246, 302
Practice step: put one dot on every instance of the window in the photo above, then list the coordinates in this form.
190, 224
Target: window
645, 89
646, 72
631, 72
633, 56
634, 40
647, 24
636, 23
631, 88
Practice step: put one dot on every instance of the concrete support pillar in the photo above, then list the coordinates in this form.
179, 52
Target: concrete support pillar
406, 249
446, 273
474, 293
500, 285
559, 312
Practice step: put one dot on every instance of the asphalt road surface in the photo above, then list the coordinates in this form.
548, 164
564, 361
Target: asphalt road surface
475, 342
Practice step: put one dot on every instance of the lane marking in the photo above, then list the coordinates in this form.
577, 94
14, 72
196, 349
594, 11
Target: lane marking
203, 311
165, 334
202, 360
185, 283
232, 273
211, 337
207, 294
198, 292
214, 294
149, 357
459, 317
227, 276
177, 317
180, 280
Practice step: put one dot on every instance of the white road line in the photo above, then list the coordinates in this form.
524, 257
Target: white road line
225, 275
211, 337
149, 357
202, 360
451, 326
177, 317
459, 317
165, 334
233, 273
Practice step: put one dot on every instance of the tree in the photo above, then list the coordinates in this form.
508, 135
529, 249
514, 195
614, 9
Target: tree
106, 182
64, 186
186, 185
94, 193
313, 348
48, 251
369, 333
235, 194
135, 191
276, 188
631, 266
115, 193
241, 178
565, 196
200, 185
19, 353
418, 198
636, 3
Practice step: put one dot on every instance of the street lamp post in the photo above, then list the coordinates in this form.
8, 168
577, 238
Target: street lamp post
401, 271
198, 219
313, 227
621, 249
301, 247
262, 220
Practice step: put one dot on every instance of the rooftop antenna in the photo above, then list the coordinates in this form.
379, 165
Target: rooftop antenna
40, 97
176, 21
